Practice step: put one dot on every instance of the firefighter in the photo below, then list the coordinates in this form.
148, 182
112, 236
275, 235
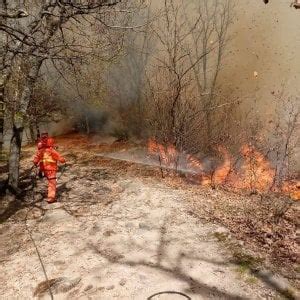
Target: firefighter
42, 141
49, 158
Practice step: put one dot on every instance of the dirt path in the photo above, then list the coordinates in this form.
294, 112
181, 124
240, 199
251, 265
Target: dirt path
117, 238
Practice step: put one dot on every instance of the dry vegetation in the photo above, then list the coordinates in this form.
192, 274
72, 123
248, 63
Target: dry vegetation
261, 227
132, 72
265, 223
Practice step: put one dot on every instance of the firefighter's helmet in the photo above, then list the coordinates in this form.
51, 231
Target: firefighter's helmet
50, 142
44, 135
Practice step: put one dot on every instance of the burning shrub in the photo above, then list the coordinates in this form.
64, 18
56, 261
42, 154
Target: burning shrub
263, 163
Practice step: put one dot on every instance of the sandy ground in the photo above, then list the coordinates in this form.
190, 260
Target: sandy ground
117, 237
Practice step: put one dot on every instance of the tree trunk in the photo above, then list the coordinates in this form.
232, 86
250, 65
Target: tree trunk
1, 120
3, 7
18, 124
37, 130
32, 133
14, 157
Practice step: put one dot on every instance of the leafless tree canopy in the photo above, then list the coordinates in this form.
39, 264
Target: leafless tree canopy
186, 71
155, 72
39, 31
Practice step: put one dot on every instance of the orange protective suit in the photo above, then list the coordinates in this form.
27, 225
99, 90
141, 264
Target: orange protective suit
42, 143
49, 157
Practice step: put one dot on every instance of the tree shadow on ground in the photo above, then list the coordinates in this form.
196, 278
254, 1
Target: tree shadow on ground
62, 189
249, 263
175, 270
13, 206
26, 197
266, 278
13, 201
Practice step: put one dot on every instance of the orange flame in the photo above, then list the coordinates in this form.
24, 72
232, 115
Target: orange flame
167, 154
222, 172
255, 173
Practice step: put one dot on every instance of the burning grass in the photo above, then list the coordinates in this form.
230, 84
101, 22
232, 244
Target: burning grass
266, 222
251, 171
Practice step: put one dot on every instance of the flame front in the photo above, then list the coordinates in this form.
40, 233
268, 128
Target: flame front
168, 155
222, 172
255, 173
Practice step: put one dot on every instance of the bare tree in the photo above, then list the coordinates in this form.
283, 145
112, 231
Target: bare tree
53, 30
215, 18
183, 81
45, 106
283, 139
126, 79
88, 90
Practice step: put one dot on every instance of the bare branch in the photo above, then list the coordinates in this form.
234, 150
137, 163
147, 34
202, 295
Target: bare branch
14, 14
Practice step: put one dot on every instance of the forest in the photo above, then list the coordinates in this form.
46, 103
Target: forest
149, 149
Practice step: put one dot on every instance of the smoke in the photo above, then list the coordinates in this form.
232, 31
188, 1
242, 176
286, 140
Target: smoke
261, 58
264, 40
126, 77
